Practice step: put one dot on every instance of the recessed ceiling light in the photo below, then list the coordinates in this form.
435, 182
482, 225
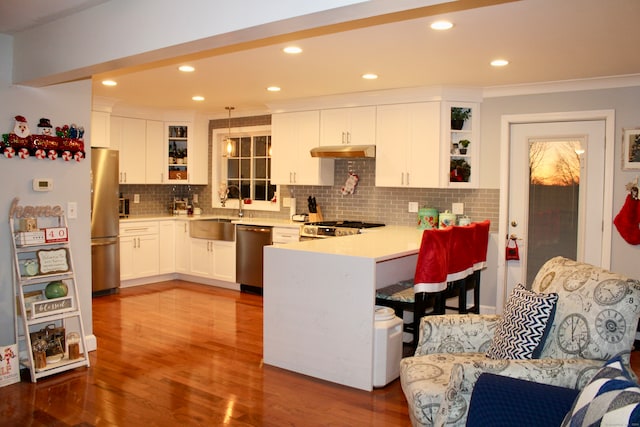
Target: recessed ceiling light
273, 89
441, 25
292, 50
370, 76
499, 62
198, 98
109, 83
186, 68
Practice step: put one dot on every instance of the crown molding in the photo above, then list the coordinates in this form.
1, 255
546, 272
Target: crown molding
562, 86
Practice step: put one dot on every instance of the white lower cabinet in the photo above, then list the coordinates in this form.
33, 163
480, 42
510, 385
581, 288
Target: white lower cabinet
224, 260
181, 249
214, 259
151, 248
139, 250
167, 239
285, 234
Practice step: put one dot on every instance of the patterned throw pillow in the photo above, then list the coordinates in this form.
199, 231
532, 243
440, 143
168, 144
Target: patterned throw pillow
610, 399
521, 331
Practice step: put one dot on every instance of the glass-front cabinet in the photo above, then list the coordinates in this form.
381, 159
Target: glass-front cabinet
461, 121
177, 152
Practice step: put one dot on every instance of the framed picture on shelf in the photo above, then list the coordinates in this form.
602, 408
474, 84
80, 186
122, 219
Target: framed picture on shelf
631, 149
53, 261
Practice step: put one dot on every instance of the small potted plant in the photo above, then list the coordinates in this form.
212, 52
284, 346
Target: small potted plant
464, 143
459, 116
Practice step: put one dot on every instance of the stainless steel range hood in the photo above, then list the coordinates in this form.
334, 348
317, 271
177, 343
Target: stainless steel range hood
344, 151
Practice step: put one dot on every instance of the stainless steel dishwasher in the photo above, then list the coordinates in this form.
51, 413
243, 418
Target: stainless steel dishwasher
250, 241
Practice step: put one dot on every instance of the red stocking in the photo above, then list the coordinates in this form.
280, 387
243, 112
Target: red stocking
627, 221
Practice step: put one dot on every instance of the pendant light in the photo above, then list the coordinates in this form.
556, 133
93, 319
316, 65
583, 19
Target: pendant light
229, 147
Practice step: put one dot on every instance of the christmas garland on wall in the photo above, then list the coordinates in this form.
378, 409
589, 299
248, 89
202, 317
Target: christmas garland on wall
67, 143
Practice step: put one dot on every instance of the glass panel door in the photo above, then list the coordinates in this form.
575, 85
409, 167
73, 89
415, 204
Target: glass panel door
554, 196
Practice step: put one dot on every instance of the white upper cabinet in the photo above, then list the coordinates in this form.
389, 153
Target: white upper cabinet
100, 129
408, 145
356, 126
293, 135
128, 136
154, 152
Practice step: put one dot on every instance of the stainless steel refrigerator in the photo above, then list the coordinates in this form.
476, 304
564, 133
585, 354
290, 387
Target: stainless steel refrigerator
105, 243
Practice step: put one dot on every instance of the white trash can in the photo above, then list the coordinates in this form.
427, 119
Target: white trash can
387, 346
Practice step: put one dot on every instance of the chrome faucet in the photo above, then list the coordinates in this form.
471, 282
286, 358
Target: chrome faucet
240, 202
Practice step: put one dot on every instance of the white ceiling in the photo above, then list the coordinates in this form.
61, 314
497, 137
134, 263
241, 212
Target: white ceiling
545, 41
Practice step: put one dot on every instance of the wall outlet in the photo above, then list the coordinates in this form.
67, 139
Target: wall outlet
72, 210
457, 208
195, 198
413, 207
286, 202
136, 198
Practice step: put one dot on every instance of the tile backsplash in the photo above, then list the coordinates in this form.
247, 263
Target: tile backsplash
367, 203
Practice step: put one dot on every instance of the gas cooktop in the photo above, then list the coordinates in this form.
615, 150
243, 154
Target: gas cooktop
324, 229
346, 224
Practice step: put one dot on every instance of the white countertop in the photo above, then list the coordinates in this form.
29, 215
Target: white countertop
268, 222
381, 244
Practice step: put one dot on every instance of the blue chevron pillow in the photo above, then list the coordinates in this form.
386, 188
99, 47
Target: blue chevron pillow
521, 331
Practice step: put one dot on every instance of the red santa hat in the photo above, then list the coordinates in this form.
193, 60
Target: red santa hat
21, 119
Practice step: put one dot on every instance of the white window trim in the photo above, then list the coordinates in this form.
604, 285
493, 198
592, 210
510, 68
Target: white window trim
219, 169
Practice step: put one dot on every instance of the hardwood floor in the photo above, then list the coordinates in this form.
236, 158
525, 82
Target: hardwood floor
178, 353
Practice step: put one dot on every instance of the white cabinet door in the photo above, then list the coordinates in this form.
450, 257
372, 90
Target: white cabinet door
130, 139
391, 144
100, 129
356, 126
200, 257
147, 255
182, 246
126, 258
423, 156
154, 148
167, 255
224, 260
408, 146
293, 135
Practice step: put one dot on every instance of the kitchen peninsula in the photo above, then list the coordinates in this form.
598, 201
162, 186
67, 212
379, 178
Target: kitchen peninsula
319, 299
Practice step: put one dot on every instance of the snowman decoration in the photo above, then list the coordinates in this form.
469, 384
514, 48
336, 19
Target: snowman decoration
45, 127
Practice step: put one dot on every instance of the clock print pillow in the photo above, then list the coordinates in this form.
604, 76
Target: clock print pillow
596, 314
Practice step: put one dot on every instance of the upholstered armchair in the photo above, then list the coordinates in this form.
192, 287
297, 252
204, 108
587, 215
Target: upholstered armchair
575, 317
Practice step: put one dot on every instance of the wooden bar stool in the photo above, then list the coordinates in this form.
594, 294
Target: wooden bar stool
430, 279
460, 266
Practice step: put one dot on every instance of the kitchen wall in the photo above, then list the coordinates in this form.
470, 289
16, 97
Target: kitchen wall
62, 104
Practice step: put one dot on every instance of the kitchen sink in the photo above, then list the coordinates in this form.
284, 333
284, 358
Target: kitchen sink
213, 229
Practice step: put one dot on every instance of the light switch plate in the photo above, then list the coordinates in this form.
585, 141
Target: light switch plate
136, 198
72, 210
457, 208
413, 206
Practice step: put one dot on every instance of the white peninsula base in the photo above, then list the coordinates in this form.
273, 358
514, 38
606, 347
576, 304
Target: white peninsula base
319, 302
